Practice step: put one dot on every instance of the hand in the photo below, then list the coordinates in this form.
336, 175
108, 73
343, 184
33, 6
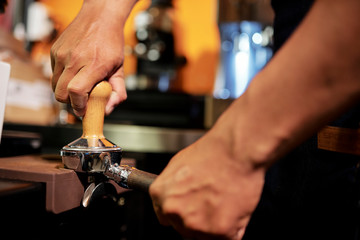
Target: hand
206, 193
91, 50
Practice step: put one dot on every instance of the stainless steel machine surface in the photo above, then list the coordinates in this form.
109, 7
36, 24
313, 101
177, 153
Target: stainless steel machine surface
151, 139
131, 138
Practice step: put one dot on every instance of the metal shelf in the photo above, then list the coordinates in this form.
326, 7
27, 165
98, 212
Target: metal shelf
132, 138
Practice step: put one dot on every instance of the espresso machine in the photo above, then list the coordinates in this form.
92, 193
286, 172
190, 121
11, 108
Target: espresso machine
152, 99
246, 31
157, 62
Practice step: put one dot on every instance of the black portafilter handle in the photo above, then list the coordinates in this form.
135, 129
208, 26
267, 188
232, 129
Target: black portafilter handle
130, 177
140, 180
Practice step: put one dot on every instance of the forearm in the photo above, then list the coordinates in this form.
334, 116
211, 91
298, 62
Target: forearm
311, 80
113, 10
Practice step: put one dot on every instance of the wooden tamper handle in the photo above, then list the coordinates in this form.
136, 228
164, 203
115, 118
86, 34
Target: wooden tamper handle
93, 120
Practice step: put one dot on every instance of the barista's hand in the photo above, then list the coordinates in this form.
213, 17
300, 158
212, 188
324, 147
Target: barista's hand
207, 193
89, 51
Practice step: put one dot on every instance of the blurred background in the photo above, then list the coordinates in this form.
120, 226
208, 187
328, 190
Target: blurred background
176, 51
185, 62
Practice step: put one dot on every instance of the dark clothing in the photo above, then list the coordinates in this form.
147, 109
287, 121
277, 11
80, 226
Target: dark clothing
288, 15
311, 193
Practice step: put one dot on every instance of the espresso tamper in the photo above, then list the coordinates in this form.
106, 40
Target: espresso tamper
93, 153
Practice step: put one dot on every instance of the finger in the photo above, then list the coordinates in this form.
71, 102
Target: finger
80, 86
173, 220
57, 72
155, 191
167, 218
240, 234
57, 65
78, 102
161, 217
119, 90
52, 58
178, 224
61, 86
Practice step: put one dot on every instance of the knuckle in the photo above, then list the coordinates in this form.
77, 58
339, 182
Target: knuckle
61, 97
171, 209
70, 58
222, 228
74, 89
77, 106
59, 55
101, 68
108, 67
193, 224
153, 191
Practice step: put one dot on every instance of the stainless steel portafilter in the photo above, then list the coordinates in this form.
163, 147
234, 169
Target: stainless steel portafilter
93, 153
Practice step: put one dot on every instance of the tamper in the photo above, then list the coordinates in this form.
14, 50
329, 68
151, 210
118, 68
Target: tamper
93, 153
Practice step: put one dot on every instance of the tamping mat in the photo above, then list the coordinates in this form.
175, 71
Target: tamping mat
64, 190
